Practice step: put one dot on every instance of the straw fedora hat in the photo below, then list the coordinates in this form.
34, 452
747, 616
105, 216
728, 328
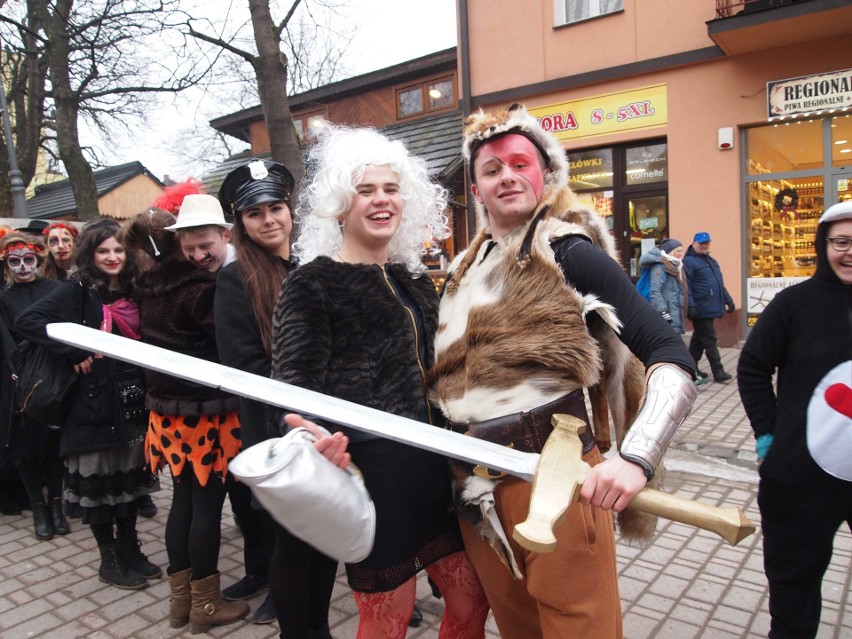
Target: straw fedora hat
199, 209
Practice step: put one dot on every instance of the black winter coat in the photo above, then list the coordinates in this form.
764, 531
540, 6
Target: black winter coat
93, 422
240, 346
707, 292
340, 329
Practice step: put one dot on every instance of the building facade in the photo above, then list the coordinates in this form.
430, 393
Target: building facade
727, 116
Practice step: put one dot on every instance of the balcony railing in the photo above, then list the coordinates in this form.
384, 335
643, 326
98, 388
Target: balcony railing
727, 8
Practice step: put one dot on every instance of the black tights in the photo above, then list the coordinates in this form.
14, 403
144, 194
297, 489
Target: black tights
301, 579
125, 527
47, 469
193, 529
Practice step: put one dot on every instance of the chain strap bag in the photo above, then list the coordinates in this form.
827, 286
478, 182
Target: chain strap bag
316, 501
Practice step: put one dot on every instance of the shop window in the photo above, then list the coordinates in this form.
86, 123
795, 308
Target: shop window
783, 147
590, 169
782, 219
570, 11
646, 164
429, 96
600, 201
841, 140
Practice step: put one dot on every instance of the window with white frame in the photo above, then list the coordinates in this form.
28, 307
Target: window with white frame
569, 11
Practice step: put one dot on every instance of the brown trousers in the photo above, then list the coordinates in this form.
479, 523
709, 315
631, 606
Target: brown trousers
571, 592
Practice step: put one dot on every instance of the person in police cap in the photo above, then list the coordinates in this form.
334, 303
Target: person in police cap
257, 195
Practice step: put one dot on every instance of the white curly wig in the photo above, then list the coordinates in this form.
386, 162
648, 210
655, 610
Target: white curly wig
337, 163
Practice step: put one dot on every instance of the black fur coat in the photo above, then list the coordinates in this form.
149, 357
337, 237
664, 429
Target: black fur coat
340, 329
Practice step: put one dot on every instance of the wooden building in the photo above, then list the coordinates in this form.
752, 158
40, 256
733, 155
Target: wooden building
123, 191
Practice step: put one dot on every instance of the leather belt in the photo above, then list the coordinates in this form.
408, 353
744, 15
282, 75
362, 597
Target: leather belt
528, 430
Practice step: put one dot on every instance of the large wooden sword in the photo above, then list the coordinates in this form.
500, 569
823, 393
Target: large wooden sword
553, 489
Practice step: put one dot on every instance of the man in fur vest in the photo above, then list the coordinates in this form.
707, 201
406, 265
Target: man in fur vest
533, 312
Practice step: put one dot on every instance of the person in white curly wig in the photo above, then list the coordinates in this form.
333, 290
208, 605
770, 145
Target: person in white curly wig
340, 159
357, 320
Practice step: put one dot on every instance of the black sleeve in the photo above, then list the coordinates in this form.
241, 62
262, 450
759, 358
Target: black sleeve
763, 353
237, 336
644, 331
65, 303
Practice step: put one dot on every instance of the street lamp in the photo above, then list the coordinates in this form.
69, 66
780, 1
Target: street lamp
15, 182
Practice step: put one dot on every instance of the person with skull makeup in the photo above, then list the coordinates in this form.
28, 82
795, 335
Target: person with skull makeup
33, 447
61, 242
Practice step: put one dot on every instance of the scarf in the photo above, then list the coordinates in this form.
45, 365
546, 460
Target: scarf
672, 265
125, 313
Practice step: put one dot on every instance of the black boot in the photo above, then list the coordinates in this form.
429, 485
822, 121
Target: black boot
146, 506
60, 524
114, 571
130, 551
41, 522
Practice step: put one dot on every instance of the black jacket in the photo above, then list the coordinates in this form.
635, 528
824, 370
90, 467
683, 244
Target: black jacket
240, 346
805, 334
340, 329
93, 422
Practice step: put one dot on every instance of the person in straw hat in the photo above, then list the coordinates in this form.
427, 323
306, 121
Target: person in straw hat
203, 233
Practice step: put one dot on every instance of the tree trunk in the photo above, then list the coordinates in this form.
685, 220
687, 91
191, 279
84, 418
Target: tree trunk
271, 70
66, 104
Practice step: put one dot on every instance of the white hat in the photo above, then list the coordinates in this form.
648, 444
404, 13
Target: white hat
839, 211
199, 209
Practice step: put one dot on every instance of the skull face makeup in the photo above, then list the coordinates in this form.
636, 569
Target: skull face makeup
22, 262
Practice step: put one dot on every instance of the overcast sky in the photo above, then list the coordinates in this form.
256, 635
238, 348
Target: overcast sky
390, 32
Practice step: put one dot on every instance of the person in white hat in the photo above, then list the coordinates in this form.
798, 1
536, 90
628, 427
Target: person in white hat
803, 430
203, 232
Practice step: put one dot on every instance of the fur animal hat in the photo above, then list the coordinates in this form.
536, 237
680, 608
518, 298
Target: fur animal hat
481, 128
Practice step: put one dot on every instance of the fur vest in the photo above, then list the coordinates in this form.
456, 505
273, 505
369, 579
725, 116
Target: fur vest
177, 314
513, 332
340, 329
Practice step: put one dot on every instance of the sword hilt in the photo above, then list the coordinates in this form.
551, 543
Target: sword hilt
561, 471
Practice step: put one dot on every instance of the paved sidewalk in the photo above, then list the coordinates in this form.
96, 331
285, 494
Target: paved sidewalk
686, 584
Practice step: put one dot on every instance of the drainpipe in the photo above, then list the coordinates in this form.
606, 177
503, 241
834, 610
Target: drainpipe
466, 101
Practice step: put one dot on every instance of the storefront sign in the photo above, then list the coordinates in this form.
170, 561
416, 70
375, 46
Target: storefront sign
761, 290
610, 113
809, 94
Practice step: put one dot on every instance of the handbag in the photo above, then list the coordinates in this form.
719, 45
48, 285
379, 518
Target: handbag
44, 383
316, 501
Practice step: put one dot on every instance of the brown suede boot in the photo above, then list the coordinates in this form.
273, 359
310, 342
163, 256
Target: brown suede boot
181, 599
209, 608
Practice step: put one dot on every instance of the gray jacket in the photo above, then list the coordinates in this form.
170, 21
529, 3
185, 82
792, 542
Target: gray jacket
667, 292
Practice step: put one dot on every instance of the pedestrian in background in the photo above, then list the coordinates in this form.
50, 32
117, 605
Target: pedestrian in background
102, 441
668, 282
708, 301
803, 427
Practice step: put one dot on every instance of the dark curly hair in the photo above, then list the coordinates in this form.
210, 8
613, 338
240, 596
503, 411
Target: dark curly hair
91, 237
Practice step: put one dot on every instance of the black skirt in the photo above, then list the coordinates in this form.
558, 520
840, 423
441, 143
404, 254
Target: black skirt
415, 523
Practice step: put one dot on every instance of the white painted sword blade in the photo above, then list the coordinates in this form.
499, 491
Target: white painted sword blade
299, 400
